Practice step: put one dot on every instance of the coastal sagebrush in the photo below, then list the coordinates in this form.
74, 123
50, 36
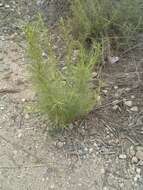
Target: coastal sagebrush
119, 20
64, 94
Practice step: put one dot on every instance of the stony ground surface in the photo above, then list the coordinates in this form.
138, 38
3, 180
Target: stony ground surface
104, 153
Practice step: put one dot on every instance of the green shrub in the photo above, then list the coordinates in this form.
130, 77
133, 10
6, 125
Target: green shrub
64, 94
120, 20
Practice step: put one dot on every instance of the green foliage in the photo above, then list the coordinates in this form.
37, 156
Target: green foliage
118, 19
64, 94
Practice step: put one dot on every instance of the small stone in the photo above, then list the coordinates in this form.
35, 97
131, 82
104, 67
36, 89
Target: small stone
127, 89
43, 179
94, 75
19, 135
139, 153
138, 170
134, 109
139, 148
132, 96
113, 59
23, 100
138, 176
134, 160
52, 186
132, 151
121, 185
95, 144
105, 91
115, 107
1, 5
122, 156
44, 55
15, 152
1, 108
105, 188
115, 87
128, 103
90, 150
102, 171
135, 178
27, 116
7, 6
86, 149
60, 144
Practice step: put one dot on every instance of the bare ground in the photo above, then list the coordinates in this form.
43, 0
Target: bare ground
104, 153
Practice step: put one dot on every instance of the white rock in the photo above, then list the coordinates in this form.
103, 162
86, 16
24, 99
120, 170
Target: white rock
128, 103
105, 188
90, 150
19, 135
122, 156
132, 96
7, 6
115, 87
115, 107
23, 99
102, 171
113, 59
105, 91
86, 149
134, 160
138, 170
52, 186
132, 151
26, 116
135, 178
95, 144
60, 144
134, 109
139, 153
1, 107
94, 74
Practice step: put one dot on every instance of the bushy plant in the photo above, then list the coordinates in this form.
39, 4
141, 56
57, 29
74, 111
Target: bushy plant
118, 19
64, 94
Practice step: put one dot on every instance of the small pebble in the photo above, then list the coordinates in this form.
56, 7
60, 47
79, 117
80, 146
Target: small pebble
86, 149
95, 144
52, 186
102, 171
132, 96
128, 103
94, 74
27, 116
60, 144
122, 156
1, 108
115, 107
138, 170
90, 150
105, 91
23, 99
19, 135
135, 178
115, 87
15, 152
139, 155
132, 151
134, 109
1, 5
134, 160
121, 185
7, 6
